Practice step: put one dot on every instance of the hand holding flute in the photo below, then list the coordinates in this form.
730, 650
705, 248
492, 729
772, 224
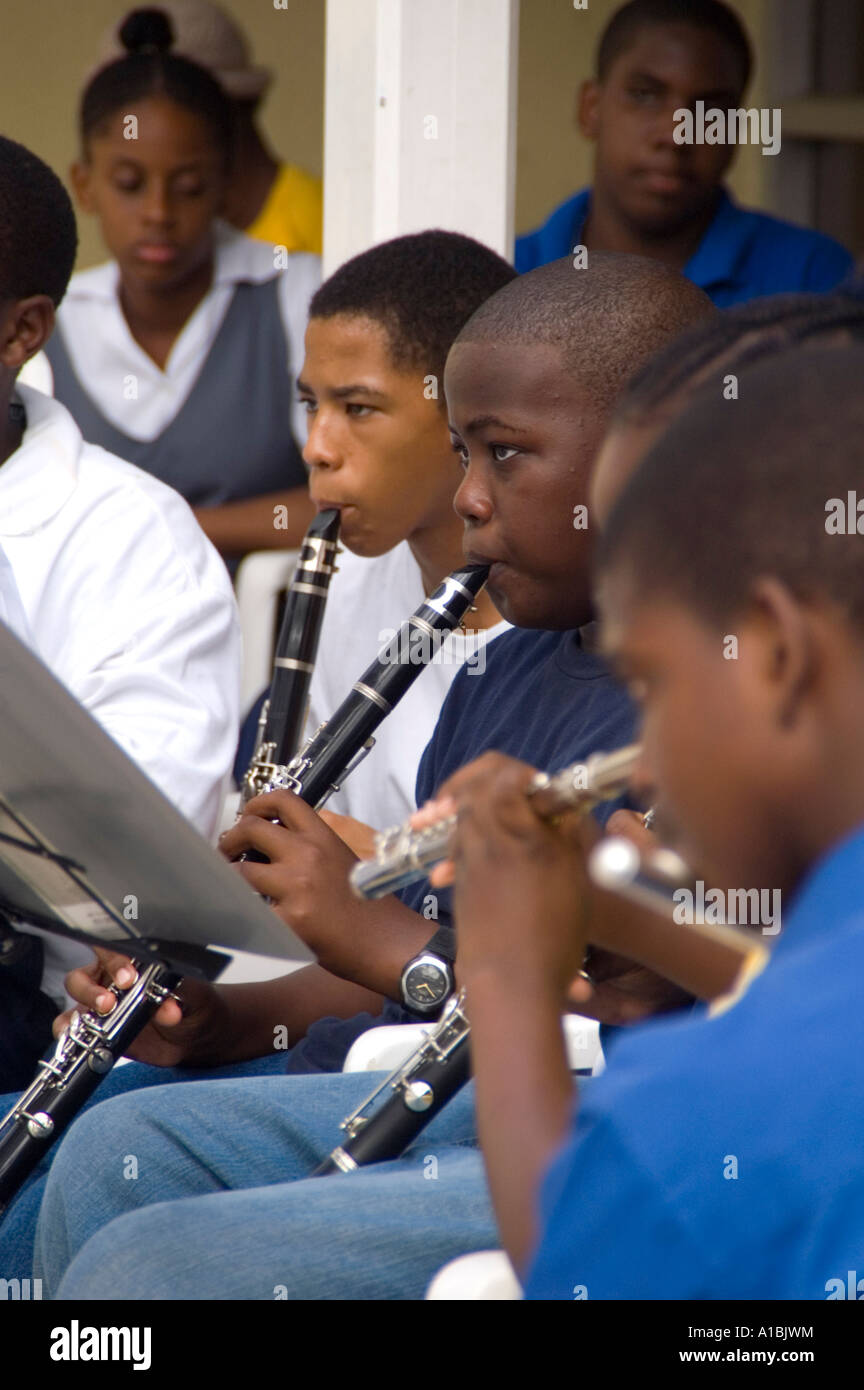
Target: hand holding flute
641, 962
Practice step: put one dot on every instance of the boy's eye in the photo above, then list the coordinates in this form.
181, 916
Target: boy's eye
461, 453
358, 410
641, 94
502, 453
127, 183
308, 404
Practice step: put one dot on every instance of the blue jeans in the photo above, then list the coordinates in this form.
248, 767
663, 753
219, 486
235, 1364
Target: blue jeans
202, 1193
18, 1223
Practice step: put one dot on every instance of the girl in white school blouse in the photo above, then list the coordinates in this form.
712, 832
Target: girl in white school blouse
180, 353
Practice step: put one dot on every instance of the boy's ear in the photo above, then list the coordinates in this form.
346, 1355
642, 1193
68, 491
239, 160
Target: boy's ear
791, 655
25, 329
588, 108
81, 178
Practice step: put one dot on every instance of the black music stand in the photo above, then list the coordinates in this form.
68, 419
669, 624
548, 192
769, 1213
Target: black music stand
91, 849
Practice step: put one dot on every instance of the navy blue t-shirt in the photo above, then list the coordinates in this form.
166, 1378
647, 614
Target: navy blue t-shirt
543, 698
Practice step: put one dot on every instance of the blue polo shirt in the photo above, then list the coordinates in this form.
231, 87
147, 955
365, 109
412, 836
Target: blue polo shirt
743, 254
643, 1201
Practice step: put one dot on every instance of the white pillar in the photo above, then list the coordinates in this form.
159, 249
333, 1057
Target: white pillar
420, 121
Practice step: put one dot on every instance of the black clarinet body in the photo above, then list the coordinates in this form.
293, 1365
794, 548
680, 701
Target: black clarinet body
81, 1058
346, 738
392, 1117
280, 730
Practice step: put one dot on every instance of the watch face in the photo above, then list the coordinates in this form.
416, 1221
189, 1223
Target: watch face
426, 985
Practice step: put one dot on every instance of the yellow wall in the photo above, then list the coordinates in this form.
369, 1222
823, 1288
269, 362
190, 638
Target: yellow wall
48, 48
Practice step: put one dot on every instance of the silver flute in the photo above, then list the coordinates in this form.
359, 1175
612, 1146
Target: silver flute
401, 1107
403, 855
653, 878
647, 877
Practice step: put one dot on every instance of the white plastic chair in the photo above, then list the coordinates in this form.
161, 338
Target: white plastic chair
486, 1276
260, 579
385, 1049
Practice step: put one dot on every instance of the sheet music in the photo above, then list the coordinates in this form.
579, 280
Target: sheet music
65, 785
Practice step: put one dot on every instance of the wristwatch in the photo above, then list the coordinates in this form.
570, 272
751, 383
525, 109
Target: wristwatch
427, 981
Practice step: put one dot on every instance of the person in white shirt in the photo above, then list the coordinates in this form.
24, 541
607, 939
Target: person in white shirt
107, 575
179, 354
11, 610
126, 602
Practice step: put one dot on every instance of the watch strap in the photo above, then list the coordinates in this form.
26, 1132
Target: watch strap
443, 944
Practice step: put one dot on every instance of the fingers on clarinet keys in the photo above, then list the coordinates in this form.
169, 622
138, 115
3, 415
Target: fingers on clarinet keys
252, 856
255, 856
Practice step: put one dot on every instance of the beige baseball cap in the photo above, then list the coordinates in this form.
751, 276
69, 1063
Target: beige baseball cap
207, 36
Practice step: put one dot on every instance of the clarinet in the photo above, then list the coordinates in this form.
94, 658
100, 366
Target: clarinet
90, 1046
340, 744
441, 1065
415, 1092
283, 714
84, 1053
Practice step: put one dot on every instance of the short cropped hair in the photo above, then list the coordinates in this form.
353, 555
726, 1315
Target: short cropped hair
626, 24
38, 235
604, 319
736, 490
421, 289
731, 341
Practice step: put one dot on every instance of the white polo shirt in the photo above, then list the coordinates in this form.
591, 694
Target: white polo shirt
11, 610
129, 605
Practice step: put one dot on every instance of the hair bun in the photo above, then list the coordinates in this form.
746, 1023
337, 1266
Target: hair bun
145, 31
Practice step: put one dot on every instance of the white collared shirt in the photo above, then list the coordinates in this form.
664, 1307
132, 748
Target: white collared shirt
127, 603
104, 354
11, 609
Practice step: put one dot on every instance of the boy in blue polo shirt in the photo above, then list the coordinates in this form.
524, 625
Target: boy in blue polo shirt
719, 1157
657, 198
